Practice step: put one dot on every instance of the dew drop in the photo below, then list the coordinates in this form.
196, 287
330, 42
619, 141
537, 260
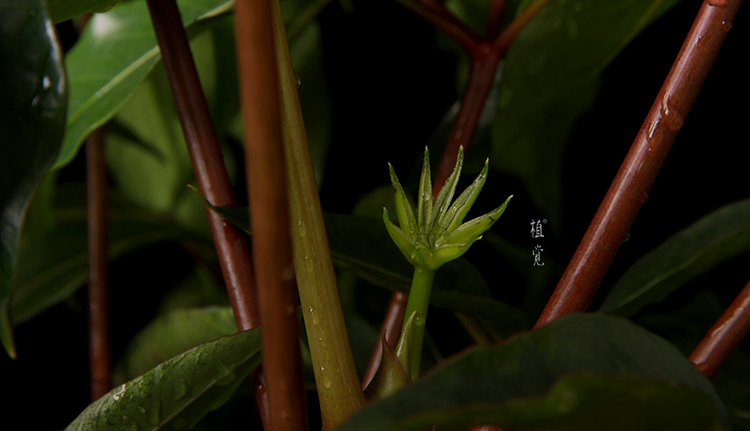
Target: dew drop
180, 389
644, 198
141, 410
46, 83
322, 369
627, 237
297, 79
652, 129
719, 3
35, 101
301, 228
315, 319
327, 383
726, 26
118, 393
672, 117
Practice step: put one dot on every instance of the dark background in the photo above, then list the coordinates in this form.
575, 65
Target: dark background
386, 56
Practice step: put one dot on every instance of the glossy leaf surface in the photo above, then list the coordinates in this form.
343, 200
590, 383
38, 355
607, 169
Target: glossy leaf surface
173, 333
550, 79
66, 9
687, 254
179, 392
580, 372
115, 53
33, 90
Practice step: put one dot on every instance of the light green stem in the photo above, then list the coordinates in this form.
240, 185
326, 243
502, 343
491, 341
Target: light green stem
419, 299
338, 385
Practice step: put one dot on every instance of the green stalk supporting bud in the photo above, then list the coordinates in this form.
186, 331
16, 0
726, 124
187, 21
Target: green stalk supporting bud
433, 236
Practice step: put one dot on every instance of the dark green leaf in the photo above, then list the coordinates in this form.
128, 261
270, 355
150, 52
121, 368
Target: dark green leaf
173, 333
551, 78
34, 96
687, 254
63, 10
179, 392
54, 266
115, 53
581, 372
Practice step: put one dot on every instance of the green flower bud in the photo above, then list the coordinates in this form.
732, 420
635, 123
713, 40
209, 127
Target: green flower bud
437, 234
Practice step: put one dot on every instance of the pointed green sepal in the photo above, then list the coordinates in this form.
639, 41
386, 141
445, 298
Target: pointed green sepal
404, 242
472, 230
424, 204
443, 201
457, 212
404, 209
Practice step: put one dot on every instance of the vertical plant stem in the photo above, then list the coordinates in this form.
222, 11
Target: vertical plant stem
419, 299
633, 181
213, 181
494, 18
100, 362
390, 330
725, 336
336, 377
269, 213
484, 60
483, 66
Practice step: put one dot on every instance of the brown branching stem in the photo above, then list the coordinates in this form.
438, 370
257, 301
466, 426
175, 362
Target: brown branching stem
267, 192
725, 336
647, 153
213, 181
485, 56
100, 362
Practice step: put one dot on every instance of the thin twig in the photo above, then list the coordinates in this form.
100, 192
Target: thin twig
267, 192
231, 244
652, 143
725, 336
446, 22
100, 362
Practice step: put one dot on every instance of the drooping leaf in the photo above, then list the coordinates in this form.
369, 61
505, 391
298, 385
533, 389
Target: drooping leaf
54, 266
179, 392
687, 254
173, 333
33, 89
583, 372
63, 10
116, 52
550, 79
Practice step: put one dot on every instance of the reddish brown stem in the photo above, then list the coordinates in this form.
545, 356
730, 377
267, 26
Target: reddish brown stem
390, 330
100, 362
210, 172
483, 66
494, 18
485, 58
652, 143
445, 21
264, 159
725, 336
